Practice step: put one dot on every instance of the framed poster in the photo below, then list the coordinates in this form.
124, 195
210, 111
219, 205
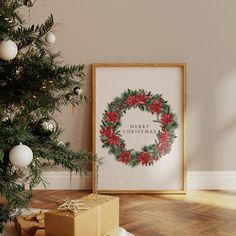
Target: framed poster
139, 128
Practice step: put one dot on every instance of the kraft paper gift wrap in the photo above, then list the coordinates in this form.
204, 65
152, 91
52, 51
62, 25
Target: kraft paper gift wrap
27, 225
101, 219
40, 232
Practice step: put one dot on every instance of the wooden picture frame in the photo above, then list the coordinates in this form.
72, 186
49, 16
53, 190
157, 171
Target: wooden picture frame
138, 127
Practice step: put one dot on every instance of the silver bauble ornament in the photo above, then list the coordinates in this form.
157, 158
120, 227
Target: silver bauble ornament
21, 156
49, 125
50, 38
8, 50
29, 3
78, 91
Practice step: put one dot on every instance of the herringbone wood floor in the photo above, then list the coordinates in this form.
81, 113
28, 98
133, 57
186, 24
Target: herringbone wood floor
199, 213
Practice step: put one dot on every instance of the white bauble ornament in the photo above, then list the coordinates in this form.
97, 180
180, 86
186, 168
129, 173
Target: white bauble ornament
50, 38
8, 50
21, 156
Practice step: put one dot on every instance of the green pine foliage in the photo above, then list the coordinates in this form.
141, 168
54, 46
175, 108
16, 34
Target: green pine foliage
33, 86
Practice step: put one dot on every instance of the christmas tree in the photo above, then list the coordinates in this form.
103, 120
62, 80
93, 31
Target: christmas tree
33, 85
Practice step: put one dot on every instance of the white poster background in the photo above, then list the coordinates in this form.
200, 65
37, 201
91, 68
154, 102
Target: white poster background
166, 173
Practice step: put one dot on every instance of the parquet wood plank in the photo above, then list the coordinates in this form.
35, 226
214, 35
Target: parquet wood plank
199, 213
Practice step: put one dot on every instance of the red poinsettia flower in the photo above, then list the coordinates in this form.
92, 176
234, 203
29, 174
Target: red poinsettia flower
166, 119
141, 99
112, 116
144, 158
156, 106
114, 139
164, 136
125, 157
163, 147
108, 131
138, 99
132, 100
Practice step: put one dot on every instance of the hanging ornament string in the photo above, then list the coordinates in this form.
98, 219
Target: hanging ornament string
29, 4
29, 16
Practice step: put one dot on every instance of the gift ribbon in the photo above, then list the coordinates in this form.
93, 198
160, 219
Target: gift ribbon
73, 206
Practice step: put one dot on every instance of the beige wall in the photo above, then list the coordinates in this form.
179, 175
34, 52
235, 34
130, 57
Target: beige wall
201, 33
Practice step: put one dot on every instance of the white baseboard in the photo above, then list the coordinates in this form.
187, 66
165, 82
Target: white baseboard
63, 180
211, 180
196, 180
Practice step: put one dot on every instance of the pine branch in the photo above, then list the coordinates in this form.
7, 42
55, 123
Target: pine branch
33, 86
44, 28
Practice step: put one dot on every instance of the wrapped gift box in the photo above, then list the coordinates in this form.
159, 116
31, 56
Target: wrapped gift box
27, 225
101, 219
40, 232
108, 212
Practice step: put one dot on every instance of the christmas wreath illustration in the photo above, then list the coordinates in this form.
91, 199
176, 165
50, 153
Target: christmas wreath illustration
111, 137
